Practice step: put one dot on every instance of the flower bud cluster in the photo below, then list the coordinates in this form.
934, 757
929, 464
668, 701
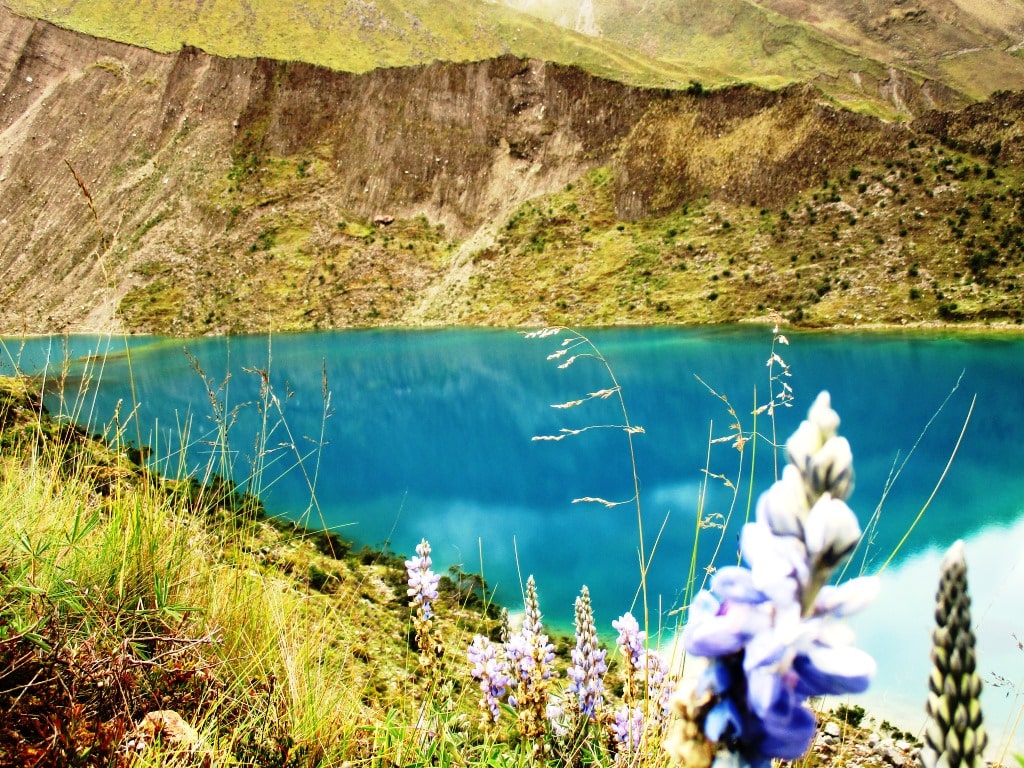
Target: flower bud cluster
641, 718
531, 657
771, 628
628, 733
955, 737
630, 640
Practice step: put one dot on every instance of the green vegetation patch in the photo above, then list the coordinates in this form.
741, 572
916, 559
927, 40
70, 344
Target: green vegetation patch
932, 239
154, 306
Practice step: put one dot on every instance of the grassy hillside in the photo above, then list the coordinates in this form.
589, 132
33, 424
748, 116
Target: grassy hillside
735, 37
916, 231
845, 47
971, 46
653, 44
123, 593
237, 195
936, 237
352, 36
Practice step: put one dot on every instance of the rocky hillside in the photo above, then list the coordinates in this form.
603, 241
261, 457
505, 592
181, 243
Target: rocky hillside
187, 193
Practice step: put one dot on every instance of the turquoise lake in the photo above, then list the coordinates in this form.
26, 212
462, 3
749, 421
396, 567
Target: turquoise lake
430, 434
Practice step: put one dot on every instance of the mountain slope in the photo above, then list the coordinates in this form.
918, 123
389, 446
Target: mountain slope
849, 49
187, 193
968, 45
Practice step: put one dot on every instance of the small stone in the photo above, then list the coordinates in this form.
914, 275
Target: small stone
169, 726
833, 729
895, 757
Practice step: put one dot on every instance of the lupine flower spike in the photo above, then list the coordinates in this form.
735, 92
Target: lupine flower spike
530, 656
646, 673
628, 734
491, 670
586, 673
955, 736
631, 645
648, 687
772, 629
423, 591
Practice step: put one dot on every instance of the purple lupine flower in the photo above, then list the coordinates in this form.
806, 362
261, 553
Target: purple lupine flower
423, 591
647, 674
726, 617
660, 685
491, 669
630, 639
628, 732
772, 628
527, 652
422, 581
588, 667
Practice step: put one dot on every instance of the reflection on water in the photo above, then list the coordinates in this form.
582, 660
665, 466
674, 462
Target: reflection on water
428, 434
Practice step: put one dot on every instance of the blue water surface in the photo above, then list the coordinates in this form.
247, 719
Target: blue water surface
391, 436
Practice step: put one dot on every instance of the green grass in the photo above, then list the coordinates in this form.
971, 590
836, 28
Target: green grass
354, 37
124, 592
281, 646
141, 593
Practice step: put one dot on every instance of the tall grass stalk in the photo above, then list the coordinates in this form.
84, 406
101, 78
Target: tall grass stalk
935, 489
568, 355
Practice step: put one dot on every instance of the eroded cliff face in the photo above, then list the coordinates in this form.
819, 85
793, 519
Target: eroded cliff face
123, 171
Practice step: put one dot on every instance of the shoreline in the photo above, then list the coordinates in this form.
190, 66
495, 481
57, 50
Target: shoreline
913, 328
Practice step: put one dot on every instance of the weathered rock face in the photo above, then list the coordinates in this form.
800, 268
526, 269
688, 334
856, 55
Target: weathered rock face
150, 136
458, 141
120, 167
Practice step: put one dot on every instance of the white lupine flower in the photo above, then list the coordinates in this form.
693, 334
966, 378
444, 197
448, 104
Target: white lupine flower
831, 468
823, 416
783, 507
831, 532
824, 460
849, 597
803, 444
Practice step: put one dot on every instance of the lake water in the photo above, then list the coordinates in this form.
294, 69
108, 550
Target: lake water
429, 434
